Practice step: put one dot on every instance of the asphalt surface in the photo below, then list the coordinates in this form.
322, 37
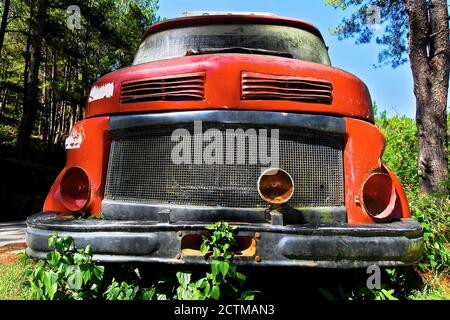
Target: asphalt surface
12, 232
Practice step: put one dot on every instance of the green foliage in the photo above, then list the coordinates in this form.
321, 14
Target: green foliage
111, 32
8, 135
67, 273
433, 214
83, 215
393, 18
401, 283
13, 280
431, 211
131, 286
122, 291
224, 280
219, 241
401, 152
354, 288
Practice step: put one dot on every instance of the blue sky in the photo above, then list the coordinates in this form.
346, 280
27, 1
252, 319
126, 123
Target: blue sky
392, 89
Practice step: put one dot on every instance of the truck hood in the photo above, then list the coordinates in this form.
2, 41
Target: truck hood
222, 87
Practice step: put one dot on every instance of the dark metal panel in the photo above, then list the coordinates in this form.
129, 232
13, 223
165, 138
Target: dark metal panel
317, 123
330, 246
118, 210
51, 221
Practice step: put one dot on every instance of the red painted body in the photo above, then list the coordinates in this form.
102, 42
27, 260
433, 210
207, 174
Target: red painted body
364, 142
223, 90
92, 156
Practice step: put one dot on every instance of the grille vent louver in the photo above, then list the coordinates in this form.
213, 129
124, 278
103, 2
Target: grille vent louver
181, 87
260, 86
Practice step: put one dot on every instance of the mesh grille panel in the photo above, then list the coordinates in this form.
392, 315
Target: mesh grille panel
141, 170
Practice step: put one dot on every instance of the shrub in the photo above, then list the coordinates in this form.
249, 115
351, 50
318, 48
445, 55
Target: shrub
224, 279
68, 273
431, 211
433, 214
401, 152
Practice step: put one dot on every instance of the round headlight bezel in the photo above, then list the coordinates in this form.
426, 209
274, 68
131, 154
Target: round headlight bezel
75, 189
275, 186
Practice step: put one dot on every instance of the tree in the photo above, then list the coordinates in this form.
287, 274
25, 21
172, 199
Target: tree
417, 29
30, 102
4, 22
49, 71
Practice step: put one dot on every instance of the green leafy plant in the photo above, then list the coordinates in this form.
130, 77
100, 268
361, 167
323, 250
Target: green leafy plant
87, 216
355, 288
122, 291
67, 273
224, 280
131, 287
401, 152
432, 213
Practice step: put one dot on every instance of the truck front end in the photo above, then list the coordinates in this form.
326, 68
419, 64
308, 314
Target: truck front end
236, 118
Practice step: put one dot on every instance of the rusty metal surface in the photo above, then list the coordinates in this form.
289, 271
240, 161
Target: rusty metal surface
206, 19
248, 38
141, 170
222, 89
327, 245
180, 87
259, 86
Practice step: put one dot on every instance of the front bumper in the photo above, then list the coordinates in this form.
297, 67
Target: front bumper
332, 245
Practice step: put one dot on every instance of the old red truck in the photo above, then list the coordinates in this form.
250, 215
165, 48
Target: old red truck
154, 158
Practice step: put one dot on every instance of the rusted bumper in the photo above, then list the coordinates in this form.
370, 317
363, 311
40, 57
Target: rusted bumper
333, 245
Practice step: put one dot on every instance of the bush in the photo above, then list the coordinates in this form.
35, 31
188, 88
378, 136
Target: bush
401, 152
431, 211
433, 214
69, 273
224, 279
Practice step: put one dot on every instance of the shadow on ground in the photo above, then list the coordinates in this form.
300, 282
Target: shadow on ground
281, 283
26, 182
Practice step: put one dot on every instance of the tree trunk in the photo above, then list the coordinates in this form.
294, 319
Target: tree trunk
30, 102
4, 23
429, 54
4, 99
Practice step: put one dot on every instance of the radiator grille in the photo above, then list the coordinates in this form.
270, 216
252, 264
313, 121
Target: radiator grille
169, 88
259, 86
140, 170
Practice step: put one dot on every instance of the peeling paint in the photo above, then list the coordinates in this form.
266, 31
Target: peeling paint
75, 138
102, 92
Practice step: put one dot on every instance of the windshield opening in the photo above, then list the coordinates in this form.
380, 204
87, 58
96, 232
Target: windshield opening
241, 38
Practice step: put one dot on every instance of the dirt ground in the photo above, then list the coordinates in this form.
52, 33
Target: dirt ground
8, 252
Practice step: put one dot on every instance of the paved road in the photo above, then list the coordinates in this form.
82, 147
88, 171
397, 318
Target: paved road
11, 232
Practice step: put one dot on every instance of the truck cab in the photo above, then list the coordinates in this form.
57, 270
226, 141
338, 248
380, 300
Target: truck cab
238, 118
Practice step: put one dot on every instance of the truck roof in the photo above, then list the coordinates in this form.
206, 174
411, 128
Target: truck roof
235, 17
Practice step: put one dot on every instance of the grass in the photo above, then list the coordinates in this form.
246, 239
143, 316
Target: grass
13, 280
435, 287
